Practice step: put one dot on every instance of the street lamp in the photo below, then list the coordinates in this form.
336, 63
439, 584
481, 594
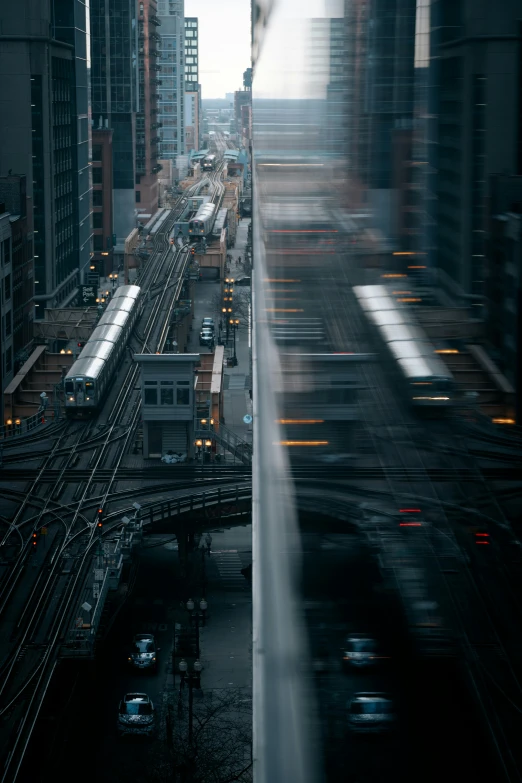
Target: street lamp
227, 311
198, 444
234, 322
193, 680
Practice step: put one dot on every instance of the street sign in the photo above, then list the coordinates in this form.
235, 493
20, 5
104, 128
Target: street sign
88, 294
247, 419
43, 531
98, 574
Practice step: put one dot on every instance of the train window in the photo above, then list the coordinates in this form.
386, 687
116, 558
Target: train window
89, 386
167, 396
151, 383
151, 397
69, 387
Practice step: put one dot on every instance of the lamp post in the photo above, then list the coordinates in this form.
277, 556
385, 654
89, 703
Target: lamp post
227, 312
193, 680
234, 322
198, 444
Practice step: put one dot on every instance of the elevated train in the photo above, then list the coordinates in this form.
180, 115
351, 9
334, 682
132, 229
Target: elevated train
91, 374
209, 163
202, 223
220, 224
426, 380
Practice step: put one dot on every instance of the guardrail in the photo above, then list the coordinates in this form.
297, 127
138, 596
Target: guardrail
239, 448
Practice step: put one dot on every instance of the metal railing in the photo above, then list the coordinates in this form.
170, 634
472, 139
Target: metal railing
239, 448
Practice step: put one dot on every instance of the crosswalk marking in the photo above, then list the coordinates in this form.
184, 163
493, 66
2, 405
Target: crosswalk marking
229, 566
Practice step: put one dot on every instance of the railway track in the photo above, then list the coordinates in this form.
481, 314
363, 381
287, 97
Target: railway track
348, 473
25, 679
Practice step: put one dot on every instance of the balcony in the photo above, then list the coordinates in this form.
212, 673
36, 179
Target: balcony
156, 125
155, 140
153, 19
157, 168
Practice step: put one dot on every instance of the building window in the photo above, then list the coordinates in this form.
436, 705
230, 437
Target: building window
7, 251
167, 396
138, 197
97, 219
151, 396
182, 393
8, 360
138, 179
96, 152
7, 288
97, 198
97, 243
97, 175
8, 324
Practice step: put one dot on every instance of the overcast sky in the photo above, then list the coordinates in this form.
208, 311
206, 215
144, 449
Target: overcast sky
224, 44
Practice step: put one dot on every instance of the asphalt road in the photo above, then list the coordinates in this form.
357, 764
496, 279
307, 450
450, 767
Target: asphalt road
438, 736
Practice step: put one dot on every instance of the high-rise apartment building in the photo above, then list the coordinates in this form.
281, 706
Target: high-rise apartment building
475, 130
171, 101
192, 87
103, 262
114, 91
147, 121
45, 136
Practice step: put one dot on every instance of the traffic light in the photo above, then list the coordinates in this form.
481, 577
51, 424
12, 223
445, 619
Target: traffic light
35, 539
99, 518
81, 345
482, 539
193, 251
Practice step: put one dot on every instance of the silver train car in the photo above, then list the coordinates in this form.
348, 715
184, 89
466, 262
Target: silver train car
202, 223
88, 379
427, 380
220, 224
209, 163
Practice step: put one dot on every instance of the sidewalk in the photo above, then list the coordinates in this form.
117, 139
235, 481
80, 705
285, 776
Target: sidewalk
226, 638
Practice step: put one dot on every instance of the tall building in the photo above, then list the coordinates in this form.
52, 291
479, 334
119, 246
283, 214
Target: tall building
114, 91
103, 262
17, 261
171, 102
45, 136
192, 87
475, 130
241, 98
147, 121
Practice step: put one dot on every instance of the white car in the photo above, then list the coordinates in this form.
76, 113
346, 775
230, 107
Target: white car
136, 715
371, 712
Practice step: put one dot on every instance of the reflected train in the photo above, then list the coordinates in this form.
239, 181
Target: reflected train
427, 381
202, 223
91, 374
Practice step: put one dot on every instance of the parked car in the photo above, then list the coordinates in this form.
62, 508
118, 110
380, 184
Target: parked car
359, 650
208, 323
206, 336
371, 712
143, 654
136, 715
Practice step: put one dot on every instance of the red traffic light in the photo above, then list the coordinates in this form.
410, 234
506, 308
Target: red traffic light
482, 538
35, 538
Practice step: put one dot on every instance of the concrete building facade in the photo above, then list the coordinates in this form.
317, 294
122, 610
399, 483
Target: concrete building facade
45, 136
13, 194
114, 92
475, 130
192, 86
102, 202
147, 122
171, 101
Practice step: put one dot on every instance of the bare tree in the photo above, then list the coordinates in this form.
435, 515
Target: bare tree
221, 746
241, 305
